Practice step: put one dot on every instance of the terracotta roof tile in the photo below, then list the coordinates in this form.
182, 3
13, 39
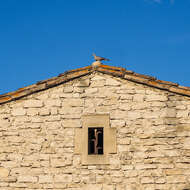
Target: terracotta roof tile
117, 73
184, 87
113, 68
135, 78
110, 70
158, 85
179, 91
167, 82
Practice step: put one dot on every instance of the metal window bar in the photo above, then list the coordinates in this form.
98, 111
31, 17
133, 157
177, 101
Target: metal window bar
95, 140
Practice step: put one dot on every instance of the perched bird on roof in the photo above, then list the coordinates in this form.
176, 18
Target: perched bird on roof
97, 58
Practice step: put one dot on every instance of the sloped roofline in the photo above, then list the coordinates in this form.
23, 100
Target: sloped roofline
110, 70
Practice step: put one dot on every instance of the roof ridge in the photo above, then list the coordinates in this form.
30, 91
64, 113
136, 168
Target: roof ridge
106, 69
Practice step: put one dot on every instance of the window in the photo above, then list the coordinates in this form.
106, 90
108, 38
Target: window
95, 140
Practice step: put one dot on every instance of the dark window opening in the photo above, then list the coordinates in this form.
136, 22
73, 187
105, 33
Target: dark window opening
95, 141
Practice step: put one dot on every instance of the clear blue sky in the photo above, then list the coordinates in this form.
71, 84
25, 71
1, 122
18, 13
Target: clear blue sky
41, 38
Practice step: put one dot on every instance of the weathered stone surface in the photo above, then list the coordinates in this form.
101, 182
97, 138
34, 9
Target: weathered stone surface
94, 187
138, 97
4, 172
125, 141
32, 111
160, 180
33, 104
4, 124
168, 112
45, 179
71, 123
18, 111
134, 115
73, 102
98, 83
27, 179
58, 162
52, 103
91, 90
159, 98
176, 179
152, 147
108, 187
147, 180
145, 166
68, 89
112, 82
82, 83
42, 96
70, 110
64, 178
44, 111
117, 123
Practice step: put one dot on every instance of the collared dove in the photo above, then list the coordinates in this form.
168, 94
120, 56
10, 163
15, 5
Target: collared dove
97, 58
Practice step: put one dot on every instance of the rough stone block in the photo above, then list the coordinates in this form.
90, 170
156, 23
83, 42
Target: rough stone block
133, 115
58, 163
71, 123
68, 89
145, 166
45, 179
176, 179
93, 186
168, 112
70, 110
117, 123
98, 83
32, 111
98, 77
52, 103
82, 83
138, 98
33, 104
153, 97
64, 178
18, 112
125, 141
44, 111
4, 172
112, 82
43, 96
91, 90
160, 180
73, 102
27, 179
145, 180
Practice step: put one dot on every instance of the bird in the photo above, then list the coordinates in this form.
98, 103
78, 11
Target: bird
98, 58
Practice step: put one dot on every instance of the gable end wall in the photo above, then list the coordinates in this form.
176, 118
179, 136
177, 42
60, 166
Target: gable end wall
37, 137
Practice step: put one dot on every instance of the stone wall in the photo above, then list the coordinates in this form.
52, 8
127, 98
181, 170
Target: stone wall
37, 138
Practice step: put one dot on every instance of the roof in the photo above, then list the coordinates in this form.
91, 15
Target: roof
110, 70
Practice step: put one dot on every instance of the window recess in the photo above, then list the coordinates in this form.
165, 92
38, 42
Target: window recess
95, 141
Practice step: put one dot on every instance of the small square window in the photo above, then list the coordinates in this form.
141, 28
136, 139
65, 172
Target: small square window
95, 140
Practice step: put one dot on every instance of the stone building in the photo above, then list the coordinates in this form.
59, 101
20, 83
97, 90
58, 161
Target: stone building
96, 128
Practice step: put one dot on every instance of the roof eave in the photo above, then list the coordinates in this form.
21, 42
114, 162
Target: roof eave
105, 69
